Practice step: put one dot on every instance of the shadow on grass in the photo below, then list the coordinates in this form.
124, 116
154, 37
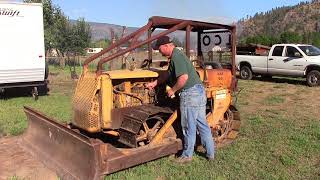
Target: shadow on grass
11, 93
281, 80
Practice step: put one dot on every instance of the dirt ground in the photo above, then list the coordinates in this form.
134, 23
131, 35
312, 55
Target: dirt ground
15, 162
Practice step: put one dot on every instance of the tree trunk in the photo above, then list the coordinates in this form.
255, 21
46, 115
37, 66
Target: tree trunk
62, 62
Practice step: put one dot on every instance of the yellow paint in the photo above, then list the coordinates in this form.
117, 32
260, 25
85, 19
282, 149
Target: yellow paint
112, 133
127, 87
106, 100
201, 73
159, 136
85, 104
221, 104
92, 110
122, 100
127, 74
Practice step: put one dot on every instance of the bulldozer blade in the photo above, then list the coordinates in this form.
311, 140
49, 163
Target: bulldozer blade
76, 156
71, 155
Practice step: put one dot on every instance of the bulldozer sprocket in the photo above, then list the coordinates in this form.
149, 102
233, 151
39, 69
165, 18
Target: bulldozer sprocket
133, 121
130, 127
234, 128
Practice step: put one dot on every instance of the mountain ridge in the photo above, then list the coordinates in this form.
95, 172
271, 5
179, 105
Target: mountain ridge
301, 18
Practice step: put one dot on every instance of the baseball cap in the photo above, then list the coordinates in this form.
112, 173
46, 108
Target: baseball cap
161, 41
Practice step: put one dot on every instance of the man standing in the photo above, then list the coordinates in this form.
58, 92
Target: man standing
183, 78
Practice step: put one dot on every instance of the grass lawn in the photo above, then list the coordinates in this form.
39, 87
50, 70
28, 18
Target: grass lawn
279, 136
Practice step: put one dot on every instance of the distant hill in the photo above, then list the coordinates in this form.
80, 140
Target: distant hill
103, 31
301, 18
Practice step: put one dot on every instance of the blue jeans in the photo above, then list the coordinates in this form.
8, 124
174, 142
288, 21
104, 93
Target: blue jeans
193, 117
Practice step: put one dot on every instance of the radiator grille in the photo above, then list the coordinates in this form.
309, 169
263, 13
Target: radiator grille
86, 103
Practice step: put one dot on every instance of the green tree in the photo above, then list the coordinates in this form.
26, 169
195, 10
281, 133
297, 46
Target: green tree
290, 37
261, 39
48, 21
71, 39
306, 37
60, 34
316, 39
81, 36
102, 43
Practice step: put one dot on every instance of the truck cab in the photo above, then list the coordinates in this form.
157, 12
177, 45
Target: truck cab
294, 60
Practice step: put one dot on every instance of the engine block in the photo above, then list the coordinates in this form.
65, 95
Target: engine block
129, 94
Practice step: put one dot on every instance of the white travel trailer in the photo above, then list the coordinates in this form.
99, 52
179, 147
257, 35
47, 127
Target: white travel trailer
22, 53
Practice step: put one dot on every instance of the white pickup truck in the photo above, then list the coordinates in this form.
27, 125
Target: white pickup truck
295, 60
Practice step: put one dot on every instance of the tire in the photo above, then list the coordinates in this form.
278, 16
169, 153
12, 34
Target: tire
46, 72
245, 73
313, 78
43, 90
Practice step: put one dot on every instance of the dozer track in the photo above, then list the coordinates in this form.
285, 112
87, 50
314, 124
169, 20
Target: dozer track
73, 155
136, 118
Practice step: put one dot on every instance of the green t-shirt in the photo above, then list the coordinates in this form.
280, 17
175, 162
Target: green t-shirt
180, 64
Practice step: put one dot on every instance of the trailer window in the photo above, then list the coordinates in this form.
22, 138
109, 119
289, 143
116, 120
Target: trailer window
277, 51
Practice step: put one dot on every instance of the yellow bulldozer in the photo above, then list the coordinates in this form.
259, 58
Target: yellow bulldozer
119, 123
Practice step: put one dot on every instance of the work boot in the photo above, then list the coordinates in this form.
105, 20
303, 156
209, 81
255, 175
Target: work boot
183, 160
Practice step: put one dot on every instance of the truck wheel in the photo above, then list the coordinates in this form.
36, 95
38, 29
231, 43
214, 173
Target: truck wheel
313, 78
245, 73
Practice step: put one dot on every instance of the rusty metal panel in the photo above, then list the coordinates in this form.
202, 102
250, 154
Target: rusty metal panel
143, 154
167, 23
70, 154
75, 156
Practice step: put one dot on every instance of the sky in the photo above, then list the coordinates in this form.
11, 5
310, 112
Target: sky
135, 13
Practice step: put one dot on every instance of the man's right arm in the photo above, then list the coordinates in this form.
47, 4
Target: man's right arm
163, 77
